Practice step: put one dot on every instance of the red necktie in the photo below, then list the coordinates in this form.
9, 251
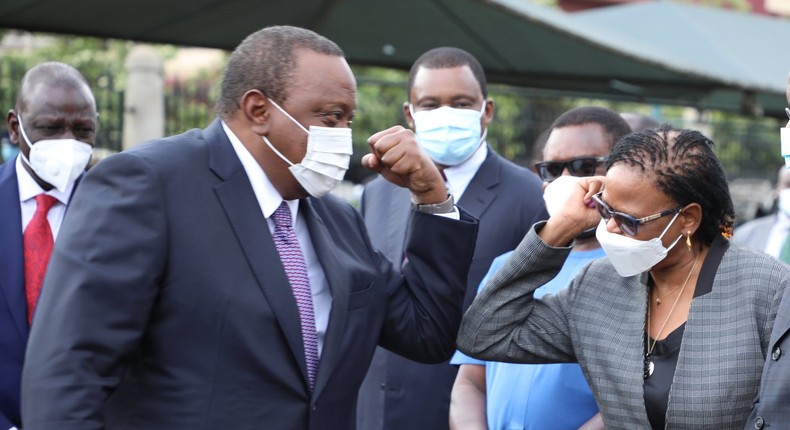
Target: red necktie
296, 269
38, 247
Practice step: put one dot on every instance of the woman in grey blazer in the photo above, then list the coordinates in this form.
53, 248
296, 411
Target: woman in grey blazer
672, 328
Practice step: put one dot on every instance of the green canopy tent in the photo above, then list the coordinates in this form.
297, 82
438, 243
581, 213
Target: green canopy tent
637, 56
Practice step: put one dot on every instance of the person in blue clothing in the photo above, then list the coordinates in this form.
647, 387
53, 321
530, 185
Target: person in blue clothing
504, 396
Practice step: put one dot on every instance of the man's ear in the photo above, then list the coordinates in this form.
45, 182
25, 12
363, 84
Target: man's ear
488, 113
407, 115
255, 107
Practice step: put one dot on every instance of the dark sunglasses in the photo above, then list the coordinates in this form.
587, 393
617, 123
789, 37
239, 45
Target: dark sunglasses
582, 166
627, 223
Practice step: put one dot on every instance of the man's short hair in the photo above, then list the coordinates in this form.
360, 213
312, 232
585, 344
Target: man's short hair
50, 73
265, 60
614, 126
447, 58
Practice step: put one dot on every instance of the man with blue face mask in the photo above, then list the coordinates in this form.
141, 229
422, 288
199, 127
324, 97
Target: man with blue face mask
449, 109
211, 282
54, 124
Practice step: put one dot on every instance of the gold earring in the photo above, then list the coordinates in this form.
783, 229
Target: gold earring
688, 240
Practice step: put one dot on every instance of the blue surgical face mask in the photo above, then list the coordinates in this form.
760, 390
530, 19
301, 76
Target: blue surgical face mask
449, 135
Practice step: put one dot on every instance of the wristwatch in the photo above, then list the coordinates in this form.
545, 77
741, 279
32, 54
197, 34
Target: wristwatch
444, 207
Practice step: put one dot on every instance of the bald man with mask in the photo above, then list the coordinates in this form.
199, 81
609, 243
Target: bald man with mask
54, 123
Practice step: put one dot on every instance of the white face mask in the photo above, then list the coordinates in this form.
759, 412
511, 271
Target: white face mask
449, 135
327, 158
58, 162
630, 256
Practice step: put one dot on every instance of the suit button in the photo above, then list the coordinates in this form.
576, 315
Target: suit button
383, 387
759, 423
776, 353
315, 408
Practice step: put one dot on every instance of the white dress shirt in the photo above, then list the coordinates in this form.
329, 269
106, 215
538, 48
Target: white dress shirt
29, 189
458, 177
269, 200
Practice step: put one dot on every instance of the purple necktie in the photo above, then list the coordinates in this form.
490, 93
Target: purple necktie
296, 270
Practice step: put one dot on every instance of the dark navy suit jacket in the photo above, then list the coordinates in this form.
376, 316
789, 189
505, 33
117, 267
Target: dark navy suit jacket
166, 305
507, 199
13, 309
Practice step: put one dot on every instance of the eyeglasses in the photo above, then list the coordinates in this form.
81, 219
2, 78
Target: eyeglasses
627, 223
582, 166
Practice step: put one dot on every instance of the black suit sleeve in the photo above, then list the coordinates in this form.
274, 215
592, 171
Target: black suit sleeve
97, 296
5, 423
424, 309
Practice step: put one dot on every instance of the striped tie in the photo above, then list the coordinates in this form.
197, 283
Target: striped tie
295, 268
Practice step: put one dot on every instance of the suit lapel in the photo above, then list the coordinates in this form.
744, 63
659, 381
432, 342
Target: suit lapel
12, 286
339, 285
237, 198
479, 195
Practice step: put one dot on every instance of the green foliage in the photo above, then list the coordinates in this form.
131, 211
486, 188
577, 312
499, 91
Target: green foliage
748, 147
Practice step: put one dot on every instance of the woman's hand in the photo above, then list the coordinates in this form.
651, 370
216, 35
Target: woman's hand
576, 213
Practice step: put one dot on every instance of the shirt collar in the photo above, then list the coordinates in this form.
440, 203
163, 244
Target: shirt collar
268, 197
458, 177
29, 188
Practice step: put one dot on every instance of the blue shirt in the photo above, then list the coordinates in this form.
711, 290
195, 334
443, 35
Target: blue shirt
537, 396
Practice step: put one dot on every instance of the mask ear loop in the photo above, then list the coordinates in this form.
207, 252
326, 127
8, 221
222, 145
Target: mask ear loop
288, 115
22, 130
269, 144
667, 228
670, 225
482, 136
279, 154
24, 136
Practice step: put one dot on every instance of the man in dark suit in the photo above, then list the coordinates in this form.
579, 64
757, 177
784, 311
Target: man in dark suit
54, 124
450, 111
201, 284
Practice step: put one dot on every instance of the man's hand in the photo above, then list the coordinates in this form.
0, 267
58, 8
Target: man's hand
395, 154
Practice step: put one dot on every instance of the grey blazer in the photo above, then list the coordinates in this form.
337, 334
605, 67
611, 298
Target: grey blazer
599, 321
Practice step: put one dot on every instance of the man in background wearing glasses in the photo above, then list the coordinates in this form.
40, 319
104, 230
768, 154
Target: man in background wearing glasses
505, 395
